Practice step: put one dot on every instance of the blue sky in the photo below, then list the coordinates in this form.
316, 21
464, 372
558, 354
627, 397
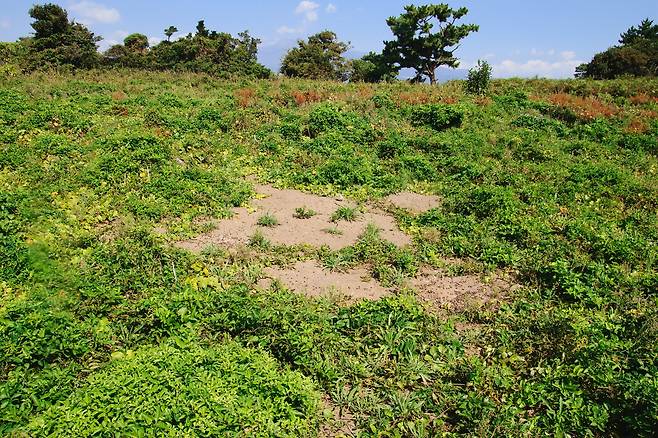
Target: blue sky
519, 38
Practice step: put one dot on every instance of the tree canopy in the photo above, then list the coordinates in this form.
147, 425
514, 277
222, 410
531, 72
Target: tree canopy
373, 67
427, 37
58, 41
636, 55
320, 57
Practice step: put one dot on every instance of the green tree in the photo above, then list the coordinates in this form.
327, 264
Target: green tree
60, 42
216, 53
201, 29
637, 55
373, 67
170, 31
136, 43
427, 37
320, 57
645, 31
478, 78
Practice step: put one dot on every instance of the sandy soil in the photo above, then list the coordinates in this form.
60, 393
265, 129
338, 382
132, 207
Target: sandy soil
310, 279
458, 293
414, 202
291, 231
433, 286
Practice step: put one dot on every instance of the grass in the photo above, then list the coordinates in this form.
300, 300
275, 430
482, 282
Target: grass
304, 213
268, 220
345, 214
553, 182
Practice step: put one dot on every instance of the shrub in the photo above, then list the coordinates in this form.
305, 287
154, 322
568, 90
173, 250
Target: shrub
345, 213
268, 220
478, 78
437, 116
187, 390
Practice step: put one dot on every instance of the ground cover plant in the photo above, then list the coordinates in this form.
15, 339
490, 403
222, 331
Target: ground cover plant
553, 182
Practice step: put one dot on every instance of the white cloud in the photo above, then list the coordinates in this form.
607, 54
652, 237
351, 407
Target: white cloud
153, 40
536, 67
90, 12
331, 8
113, 38
287, 30
551, 52
309, 9
5, 23
568, 55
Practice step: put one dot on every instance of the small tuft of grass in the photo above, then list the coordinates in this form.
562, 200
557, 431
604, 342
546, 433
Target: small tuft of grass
345, 213
333, 230
304, 213
258, 240
268, 220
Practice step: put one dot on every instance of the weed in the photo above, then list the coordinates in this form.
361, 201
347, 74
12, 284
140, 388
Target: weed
268, 220
345, 213
304, 213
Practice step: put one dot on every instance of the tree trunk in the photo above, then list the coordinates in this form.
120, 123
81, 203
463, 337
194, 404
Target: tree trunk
431, 72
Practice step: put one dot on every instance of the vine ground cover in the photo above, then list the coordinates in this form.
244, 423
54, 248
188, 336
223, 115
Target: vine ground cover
553, 183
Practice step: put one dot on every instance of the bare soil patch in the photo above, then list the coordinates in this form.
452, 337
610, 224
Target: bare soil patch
341, 423
414, 202
442, 292
310, 279
292, 230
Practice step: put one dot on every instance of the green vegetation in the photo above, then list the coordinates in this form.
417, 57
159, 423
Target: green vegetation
107, 328
320, 57
636, 55
479, 78
345, 214
304, 213
268, 220
426, 37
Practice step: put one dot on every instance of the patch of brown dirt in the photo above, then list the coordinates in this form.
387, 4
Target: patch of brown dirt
312, 280
341, 422
441, 292
414, 202
291, 230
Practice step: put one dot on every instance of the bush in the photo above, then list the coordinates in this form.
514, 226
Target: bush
437, 116
478, 78
185, 391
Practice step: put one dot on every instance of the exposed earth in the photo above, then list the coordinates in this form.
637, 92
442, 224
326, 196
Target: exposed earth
434, 286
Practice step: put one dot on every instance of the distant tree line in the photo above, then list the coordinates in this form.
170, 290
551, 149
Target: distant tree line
636, 55
426, 37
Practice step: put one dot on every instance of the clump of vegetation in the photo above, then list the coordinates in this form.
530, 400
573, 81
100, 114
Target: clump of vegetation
345, 213
320, 57
268, 220
304, 213
636, 55
241, 377
479, 78
437, 116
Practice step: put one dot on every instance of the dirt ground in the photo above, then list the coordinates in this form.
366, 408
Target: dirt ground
455, 293
414, 202
291, 230
438, 290
311, 279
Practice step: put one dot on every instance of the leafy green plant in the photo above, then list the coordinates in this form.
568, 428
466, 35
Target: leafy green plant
304, 213
268, 220
437, 116
345, 213
255, 394
478, 78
